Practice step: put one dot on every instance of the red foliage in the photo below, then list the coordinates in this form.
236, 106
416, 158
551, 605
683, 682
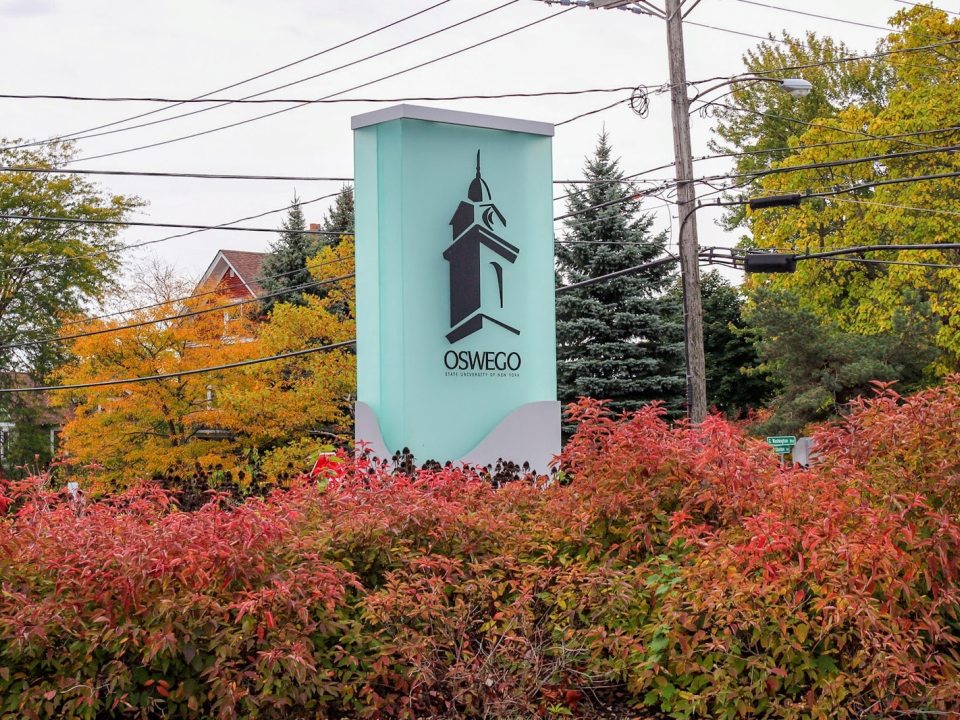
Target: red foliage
676, 568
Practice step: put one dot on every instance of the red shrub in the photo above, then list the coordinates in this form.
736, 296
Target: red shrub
676, 568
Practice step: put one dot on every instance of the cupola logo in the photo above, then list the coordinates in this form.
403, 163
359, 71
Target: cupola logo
475, 226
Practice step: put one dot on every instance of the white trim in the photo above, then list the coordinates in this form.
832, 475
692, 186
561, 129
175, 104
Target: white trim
451, 117
209, 272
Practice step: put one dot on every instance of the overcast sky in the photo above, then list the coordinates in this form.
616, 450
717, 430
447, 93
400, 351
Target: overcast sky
184, 48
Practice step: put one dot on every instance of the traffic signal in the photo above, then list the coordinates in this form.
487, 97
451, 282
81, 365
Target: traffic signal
769, 262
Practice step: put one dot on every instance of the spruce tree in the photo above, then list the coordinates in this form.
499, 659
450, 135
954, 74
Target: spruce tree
288, 259
339, 218
616, 340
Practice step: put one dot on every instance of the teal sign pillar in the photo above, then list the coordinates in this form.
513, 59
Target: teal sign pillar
456, 332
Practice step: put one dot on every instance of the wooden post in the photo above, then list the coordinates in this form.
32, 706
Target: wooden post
686, 206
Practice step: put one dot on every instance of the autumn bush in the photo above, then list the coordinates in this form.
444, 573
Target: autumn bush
666, 569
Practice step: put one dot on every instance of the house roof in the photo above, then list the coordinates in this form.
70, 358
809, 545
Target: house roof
245, 265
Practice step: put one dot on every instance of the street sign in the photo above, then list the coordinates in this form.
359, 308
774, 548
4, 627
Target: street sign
782, 444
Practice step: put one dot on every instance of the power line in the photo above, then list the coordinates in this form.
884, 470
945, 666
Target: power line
216, 291
805, 123
178, 316
880, 182
870, 56
148, 173
229, 226
593, 112
815, 15
617, 274
350, 64
241, 82
829, 17
934, 7
209, 176
905, 263
303, 101
807, 146
244, 302
793, 42
765, 38
182, 373
834, 163
936, 211
282, 356
599, 206
626, 198
56, 261
341, 92
138, 223
837, 61
879, 248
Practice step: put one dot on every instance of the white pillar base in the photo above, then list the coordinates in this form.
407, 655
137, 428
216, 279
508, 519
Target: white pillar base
530, 434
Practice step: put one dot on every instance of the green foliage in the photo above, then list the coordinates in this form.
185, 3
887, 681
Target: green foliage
764, 121
681, 571
820, 368
290, 255
39, 287
48, 271
870, 299
288, 258
735, 382
611, 337
28, 444
339, 219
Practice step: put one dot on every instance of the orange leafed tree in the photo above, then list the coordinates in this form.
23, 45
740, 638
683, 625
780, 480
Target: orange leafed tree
137, 430
281, 412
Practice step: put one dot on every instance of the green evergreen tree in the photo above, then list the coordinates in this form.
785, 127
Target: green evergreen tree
290, 254
339, 218
288, 259
616, 340
820, 367
734, 381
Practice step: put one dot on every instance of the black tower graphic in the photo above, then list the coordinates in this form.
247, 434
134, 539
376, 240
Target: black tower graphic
473, 226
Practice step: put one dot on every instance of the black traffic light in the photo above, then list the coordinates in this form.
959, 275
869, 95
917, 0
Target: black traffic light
768, 262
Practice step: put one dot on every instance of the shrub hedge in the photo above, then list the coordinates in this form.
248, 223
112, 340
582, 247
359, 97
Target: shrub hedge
671, 570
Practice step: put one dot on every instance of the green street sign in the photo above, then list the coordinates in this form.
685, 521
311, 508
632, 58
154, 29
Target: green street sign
782, 443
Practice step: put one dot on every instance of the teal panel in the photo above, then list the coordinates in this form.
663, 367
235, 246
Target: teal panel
452, 333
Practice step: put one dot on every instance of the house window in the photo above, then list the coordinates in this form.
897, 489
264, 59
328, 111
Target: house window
6, 430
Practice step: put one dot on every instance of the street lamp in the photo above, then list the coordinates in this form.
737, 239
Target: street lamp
794, 87
672, 13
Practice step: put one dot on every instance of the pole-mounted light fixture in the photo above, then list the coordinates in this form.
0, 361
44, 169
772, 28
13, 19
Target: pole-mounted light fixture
796, 87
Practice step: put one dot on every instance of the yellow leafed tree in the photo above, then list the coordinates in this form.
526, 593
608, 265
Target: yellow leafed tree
292, 408
262, 417
136, 431
870, 298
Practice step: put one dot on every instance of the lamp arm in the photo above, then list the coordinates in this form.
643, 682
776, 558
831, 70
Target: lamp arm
701, 93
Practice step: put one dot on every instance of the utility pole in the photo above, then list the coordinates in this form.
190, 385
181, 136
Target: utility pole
686, 207
686, 191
